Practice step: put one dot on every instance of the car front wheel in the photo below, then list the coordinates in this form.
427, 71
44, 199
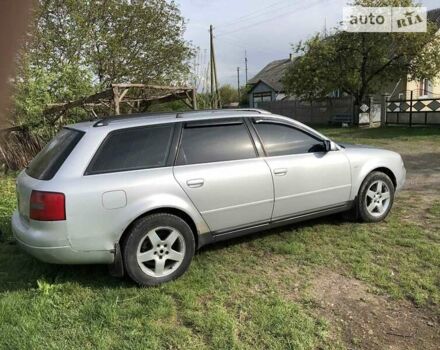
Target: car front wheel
376, 197
159, 248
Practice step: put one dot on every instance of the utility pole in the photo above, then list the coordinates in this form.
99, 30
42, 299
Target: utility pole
245, 65
211, 65
238, 84
215, 98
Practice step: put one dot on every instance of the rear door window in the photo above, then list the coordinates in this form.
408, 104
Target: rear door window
46, 164
132, 149
216, 142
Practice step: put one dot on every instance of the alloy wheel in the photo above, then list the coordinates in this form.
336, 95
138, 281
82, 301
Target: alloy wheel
161, 251
377, 199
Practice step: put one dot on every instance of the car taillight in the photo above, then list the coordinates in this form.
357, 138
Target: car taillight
47, 206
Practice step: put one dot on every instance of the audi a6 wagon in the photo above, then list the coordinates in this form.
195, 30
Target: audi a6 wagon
143, 192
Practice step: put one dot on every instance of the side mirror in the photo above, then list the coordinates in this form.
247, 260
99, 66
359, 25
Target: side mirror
327, 145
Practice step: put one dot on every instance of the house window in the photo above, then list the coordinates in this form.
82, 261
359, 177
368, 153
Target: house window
424, 87
261, 97
335, 93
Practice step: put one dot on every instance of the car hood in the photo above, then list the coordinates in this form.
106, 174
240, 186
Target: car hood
362, 153
350, 145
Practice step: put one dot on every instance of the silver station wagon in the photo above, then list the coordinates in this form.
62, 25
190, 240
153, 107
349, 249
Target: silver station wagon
143, 192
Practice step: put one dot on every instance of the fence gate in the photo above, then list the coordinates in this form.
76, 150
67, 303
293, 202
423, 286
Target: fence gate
421, 111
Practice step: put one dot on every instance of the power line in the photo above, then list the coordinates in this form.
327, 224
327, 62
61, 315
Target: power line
256, 13
234, 42
298, 9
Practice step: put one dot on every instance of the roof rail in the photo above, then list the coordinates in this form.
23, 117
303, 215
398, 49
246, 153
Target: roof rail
258, 110
100, 122
106, 121
226, 110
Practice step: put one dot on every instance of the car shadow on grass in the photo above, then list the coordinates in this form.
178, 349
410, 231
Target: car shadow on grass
20, 271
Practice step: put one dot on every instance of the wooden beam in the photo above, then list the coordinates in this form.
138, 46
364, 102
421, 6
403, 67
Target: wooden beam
194, 99
148, 93
13, 128
156, 87
116, 99
123, 95
106, 94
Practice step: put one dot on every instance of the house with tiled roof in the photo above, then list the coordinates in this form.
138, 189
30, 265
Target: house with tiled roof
267, 85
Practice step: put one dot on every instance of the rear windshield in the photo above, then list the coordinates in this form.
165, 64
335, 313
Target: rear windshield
46, 164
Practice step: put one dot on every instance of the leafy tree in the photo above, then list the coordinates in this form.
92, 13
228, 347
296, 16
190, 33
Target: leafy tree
75, 48
228, 94
117, 40
362, 63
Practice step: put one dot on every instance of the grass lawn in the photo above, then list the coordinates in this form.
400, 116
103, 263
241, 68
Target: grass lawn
256, 292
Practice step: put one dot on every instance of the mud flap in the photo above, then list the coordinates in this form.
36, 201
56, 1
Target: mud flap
116, 269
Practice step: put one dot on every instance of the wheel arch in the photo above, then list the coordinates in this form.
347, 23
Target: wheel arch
360, 177
386, 171
163, 210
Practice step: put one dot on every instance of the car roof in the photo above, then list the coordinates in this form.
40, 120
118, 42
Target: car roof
143, 119
139, 119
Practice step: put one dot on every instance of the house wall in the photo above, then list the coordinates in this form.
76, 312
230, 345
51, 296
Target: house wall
434, 87
260, 87
405, 86
396, 88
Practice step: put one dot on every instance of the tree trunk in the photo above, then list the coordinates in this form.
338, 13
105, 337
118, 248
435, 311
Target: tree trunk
356, 106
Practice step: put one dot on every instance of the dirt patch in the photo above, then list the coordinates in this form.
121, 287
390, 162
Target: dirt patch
422, 188
423, 172
369, 321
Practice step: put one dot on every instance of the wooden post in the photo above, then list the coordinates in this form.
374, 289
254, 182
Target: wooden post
194, 99
116, 99
370, 114
410, 108
384, 110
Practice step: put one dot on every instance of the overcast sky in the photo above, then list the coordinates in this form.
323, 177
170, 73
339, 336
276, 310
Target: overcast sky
265, 28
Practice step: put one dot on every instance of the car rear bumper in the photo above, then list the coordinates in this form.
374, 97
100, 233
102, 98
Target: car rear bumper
33, 242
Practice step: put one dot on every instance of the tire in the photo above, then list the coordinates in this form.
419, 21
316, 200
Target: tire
375, 197
158, 249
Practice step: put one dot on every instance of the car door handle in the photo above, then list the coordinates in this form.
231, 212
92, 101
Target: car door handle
194, 183
280, 171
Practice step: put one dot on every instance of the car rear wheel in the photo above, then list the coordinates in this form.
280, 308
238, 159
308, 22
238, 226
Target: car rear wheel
159, 248
376, 197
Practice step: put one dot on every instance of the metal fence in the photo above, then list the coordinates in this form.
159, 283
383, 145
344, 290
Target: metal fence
421, 111
315, 112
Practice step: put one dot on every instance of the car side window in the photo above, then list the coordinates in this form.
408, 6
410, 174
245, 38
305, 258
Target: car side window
131, 149
281, 140
215, 143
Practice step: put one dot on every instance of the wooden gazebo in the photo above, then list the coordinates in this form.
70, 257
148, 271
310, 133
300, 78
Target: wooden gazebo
129, 98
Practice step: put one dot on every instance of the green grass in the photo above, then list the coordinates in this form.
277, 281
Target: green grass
249, 293
410, 139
